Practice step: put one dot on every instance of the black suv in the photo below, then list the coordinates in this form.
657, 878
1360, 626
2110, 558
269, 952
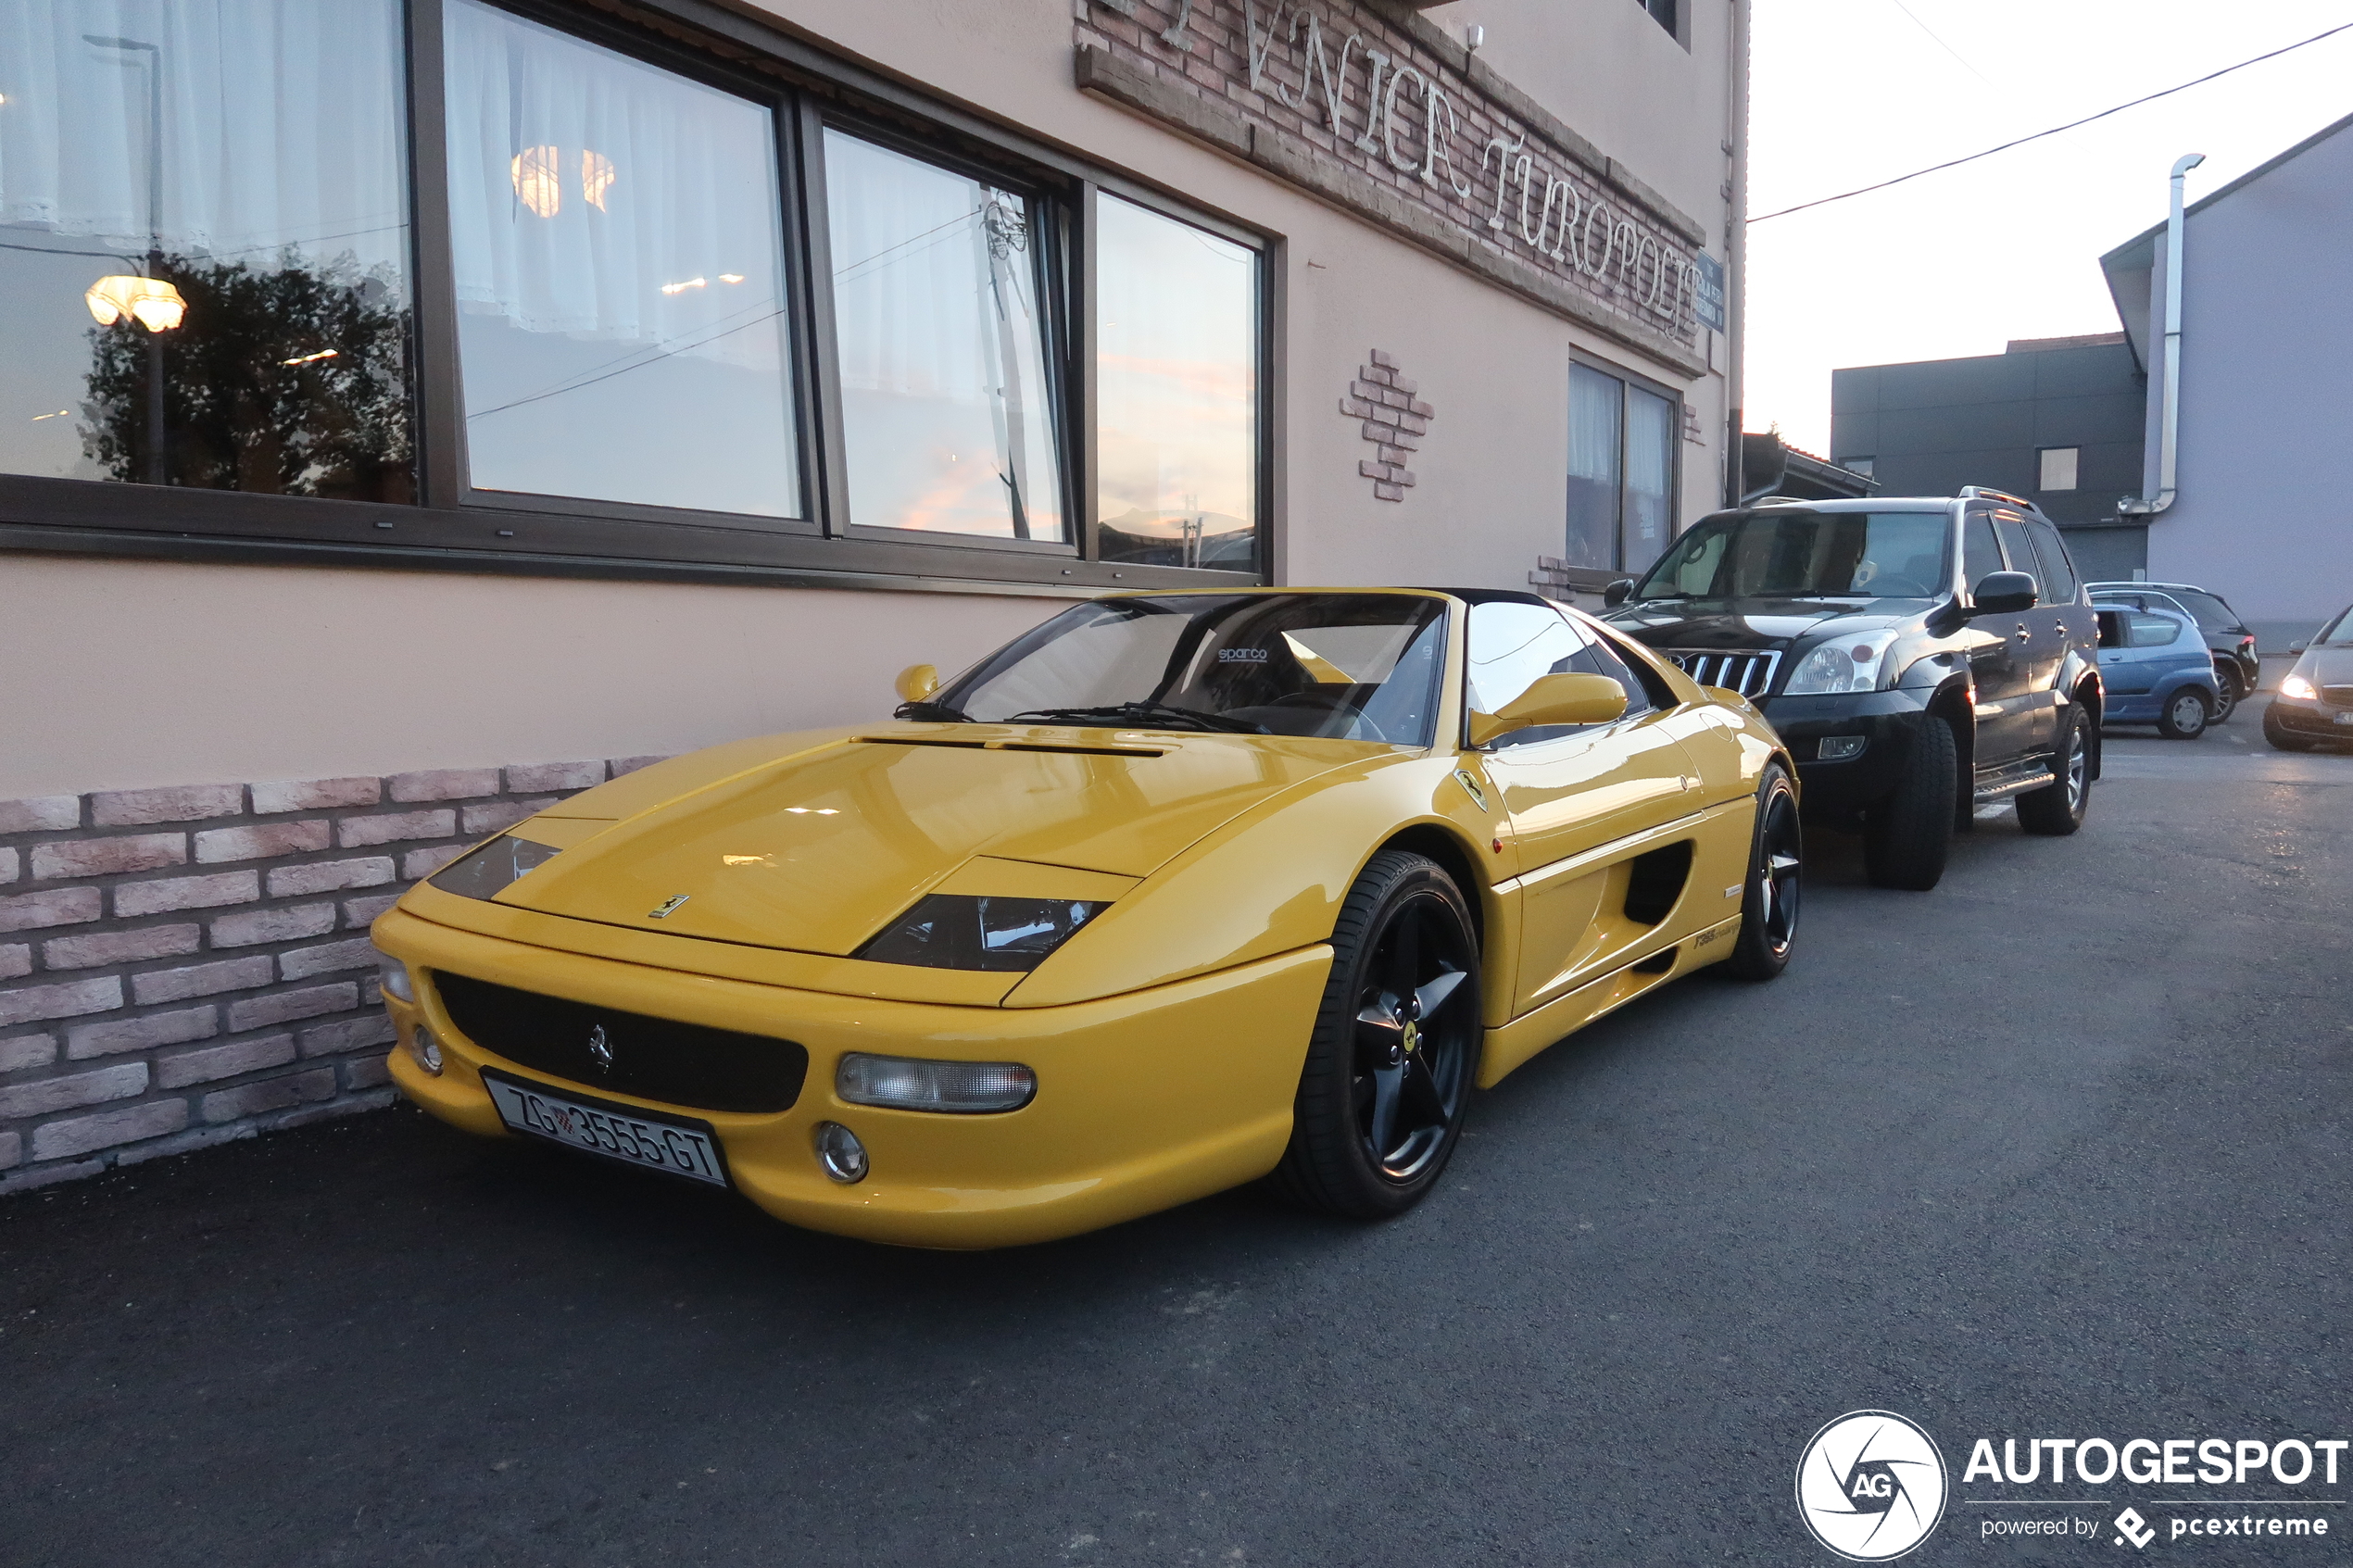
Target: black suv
1922, 657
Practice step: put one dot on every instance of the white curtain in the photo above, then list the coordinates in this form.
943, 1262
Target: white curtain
1650, 473
282, 124
599, 197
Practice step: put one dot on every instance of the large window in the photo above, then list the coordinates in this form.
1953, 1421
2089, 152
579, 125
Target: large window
634, 302
1621, 471
204, 246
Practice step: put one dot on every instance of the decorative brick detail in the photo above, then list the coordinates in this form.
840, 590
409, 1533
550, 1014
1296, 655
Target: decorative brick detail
330, 876
38, 1004
86, 1135
314, 795
58, 906
542, 778
260, 843
107, 856
22, 1052
201, 980
270, 1094
215, 1063
188, 803
119, 947
1394, 421
446, 783
46, 813
166, 895
258, 926
141, 1034
216, 978
360, 831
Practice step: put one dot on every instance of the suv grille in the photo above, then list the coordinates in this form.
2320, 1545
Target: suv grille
655, 1059
1749, 673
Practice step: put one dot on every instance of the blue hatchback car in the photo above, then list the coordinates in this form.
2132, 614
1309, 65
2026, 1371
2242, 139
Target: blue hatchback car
2158, 670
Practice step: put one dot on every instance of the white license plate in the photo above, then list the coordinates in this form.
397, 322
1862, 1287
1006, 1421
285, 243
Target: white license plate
2345, 718
617, 1132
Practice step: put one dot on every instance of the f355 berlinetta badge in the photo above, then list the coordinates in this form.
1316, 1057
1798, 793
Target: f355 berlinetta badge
664, 911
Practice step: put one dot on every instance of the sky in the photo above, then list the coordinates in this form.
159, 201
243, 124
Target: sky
1848, 92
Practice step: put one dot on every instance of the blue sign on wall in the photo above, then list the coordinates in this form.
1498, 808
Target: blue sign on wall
1708, 297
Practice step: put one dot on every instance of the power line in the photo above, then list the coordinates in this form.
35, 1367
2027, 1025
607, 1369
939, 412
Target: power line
1940, 43
1955, 163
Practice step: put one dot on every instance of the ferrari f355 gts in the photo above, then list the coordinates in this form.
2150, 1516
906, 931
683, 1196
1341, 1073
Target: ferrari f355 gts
1175, 892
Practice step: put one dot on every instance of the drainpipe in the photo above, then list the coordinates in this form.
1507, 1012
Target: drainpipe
2169, 411
1736, 255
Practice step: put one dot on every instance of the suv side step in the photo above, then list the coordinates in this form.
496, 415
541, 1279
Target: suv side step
2000, 784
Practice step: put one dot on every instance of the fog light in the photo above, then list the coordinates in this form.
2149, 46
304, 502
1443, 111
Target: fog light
426, 1049
841, 1153
907, 1083
393, 975
1839, 748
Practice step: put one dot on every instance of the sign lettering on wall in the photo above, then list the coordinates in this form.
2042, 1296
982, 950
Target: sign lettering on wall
1373, 107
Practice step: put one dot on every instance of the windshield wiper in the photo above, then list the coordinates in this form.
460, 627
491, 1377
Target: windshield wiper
1144, 715
932, 713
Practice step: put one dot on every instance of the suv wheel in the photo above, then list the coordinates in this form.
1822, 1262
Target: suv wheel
2227, 695
1906, 835
2184, 715
2057, 810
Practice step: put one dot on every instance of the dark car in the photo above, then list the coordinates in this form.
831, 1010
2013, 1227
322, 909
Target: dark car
2315, 703
2237, 666
1921, 656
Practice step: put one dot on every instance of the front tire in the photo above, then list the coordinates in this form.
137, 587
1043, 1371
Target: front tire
1395, 1049
2184, 715
1768, 906
1907, 836
2057, 810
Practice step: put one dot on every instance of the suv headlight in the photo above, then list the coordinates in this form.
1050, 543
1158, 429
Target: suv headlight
1851, 663
959, 930
483, 872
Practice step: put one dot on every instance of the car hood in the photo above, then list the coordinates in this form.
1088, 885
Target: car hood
1749, 623
2327, 665
812, 847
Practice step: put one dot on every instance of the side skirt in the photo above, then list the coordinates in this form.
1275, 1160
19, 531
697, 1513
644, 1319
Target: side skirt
1514, 1043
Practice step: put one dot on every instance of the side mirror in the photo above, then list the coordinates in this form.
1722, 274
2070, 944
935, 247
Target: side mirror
1553, 699
917, 683
1614, 595
2299, 646
2004, 592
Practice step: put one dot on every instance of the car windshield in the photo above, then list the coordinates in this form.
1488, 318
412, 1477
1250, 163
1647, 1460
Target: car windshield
2339, 635
1793, 553
1341, 666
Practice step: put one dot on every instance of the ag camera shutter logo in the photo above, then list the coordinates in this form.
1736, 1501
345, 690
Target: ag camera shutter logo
1872, 1485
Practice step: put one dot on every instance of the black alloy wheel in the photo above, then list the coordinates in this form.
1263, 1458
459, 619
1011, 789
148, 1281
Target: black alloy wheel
2057, 810
1390, 1067
1776, 879
2184, 715
2227, 694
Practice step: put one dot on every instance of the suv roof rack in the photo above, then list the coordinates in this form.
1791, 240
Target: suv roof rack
1987, 492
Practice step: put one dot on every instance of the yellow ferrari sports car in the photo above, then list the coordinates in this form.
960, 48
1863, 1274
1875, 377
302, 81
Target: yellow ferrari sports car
1174, 891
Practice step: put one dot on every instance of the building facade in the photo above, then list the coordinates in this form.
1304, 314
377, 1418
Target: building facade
2057, 419
2259, 513
414, 410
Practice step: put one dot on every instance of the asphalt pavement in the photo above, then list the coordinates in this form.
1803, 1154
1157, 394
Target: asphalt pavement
2060, 1149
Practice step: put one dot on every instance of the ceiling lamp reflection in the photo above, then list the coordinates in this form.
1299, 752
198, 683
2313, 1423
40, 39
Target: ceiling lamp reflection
312, 358
538, 185
689, 283
154, 304
596, 175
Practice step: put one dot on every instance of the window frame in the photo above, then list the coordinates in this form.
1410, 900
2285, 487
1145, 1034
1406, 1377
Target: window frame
2043, 456
455, 527
1629, 382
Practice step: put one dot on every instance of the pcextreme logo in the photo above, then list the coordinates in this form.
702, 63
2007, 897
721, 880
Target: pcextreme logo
1872, 1485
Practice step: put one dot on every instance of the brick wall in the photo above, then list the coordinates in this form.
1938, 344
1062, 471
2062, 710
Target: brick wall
183, 966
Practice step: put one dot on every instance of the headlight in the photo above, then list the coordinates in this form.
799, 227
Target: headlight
1851, 663
959, 931
393, 976
491, 868
2301, 689
905, 1083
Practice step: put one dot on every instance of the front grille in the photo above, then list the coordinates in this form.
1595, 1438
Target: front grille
2342, 697
1749, 672
654, 1058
